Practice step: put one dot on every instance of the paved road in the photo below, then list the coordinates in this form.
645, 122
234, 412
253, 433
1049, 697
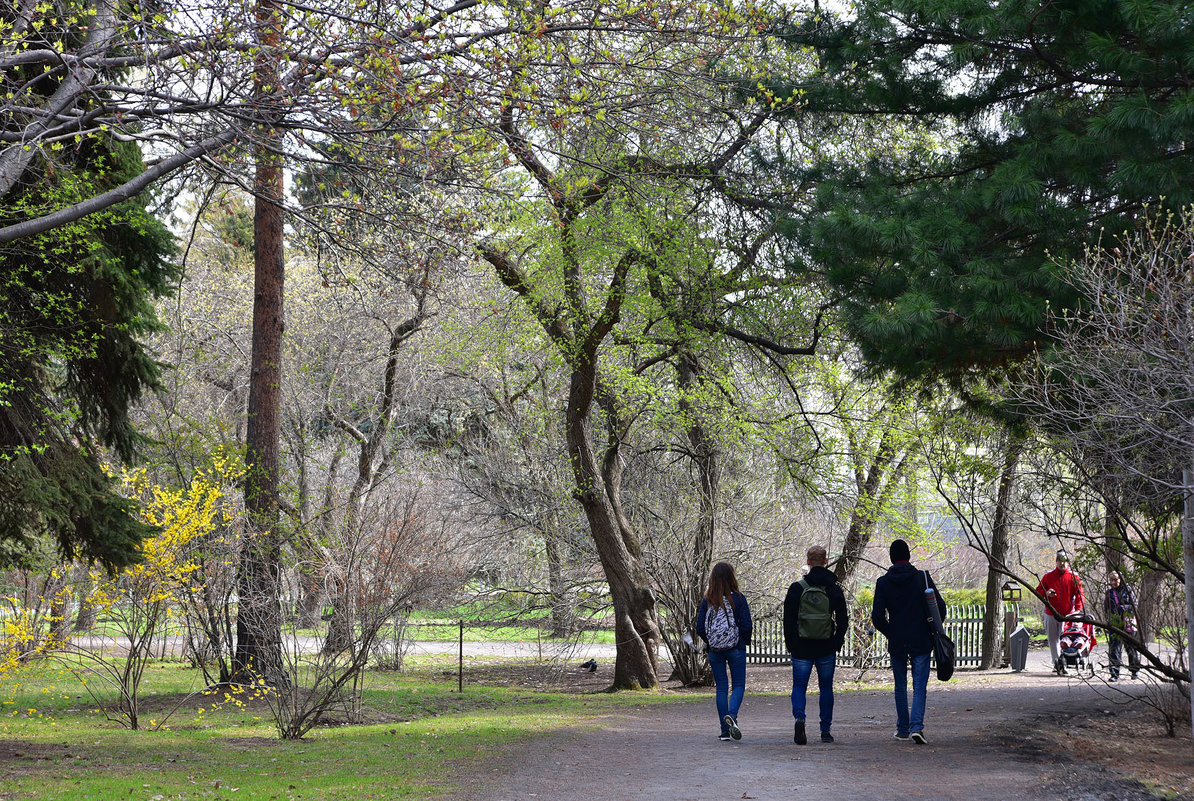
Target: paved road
983, 745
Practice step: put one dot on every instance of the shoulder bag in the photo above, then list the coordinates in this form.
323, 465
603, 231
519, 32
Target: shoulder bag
943, 647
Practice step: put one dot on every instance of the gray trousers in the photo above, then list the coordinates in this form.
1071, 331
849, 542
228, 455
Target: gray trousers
1053, 632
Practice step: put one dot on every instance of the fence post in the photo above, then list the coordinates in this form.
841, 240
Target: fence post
460, 663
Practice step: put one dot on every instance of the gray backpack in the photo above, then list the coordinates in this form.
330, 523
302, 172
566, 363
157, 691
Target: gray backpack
721, 627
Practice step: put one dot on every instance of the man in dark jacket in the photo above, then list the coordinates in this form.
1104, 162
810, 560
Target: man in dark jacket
900, 613
816, 641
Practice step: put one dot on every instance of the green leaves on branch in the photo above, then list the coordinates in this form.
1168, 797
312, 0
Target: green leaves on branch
1059, 124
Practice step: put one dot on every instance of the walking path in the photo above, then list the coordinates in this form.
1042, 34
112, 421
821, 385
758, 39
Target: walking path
983, 744
548, 649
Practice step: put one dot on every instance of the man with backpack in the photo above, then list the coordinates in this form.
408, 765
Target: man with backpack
815, 621
900, 613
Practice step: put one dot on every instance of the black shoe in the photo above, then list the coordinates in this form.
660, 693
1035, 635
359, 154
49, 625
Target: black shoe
724, 736
919, 738
1113, 678
799, 737
901, 737
826, 737
732, 727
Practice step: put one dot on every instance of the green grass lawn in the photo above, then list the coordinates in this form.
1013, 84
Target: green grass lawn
424, 739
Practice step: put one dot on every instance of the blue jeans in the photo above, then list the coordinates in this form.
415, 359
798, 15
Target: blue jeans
728, 701
802, 669
920, 685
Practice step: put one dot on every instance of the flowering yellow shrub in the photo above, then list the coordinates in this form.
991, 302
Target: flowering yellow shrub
26, 628
184, 516
141, 597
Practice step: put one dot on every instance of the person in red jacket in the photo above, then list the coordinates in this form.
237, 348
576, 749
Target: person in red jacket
1063, 594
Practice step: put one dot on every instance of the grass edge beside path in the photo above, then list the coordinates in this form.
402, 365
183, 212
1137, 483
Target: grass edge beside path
424, 740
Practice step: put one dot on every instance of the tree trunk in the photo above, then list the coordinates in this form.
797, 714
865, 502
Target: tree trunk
218, 630
597, 484
704, 454
691, 666
340, 627
561, 608
1115, 540
346, 549
1188, 568
858, 537
1000, 534
310, 596
59, 614
342, 588
1150, 592
635, 627
258, 620
313, 567
872, 493
85, 619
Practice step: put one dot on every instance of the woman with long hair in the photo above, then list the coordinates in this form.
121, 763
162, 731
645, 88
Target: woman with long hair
723, 622
1119, 608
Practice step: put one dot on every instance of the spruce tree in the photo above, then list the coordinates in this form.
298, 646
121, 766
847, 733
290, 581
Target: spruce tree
75, 304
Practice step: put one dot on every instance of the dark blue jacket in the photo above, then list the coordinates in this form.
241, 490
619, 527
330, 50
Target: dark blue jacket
899, 610
815, 649
741, 617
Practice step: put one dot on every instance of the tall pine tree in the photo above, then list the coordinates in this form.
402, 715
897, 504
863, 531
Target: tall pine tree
1055, 124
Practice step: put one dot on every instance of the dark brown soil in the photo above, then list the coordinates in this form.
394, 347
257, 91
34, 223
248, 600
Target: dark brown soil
1132, 741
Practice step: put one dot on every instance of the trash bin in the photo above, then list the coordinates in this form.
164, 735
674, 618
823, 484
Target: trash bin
1017, 644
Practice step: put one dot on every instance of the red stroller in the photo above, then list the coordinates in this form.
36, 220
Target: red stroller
1075, 644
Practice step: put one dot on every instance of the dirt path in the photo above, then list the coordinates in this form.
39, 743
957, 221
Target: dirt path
984, 744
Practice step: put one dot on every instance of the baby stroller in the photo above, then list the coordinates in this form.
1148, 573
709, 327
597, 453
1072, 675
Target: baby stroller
1075, 644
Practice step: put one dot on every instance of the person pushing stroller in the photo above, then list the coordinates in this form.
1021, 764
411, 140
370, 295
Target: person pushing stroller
1062, 590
